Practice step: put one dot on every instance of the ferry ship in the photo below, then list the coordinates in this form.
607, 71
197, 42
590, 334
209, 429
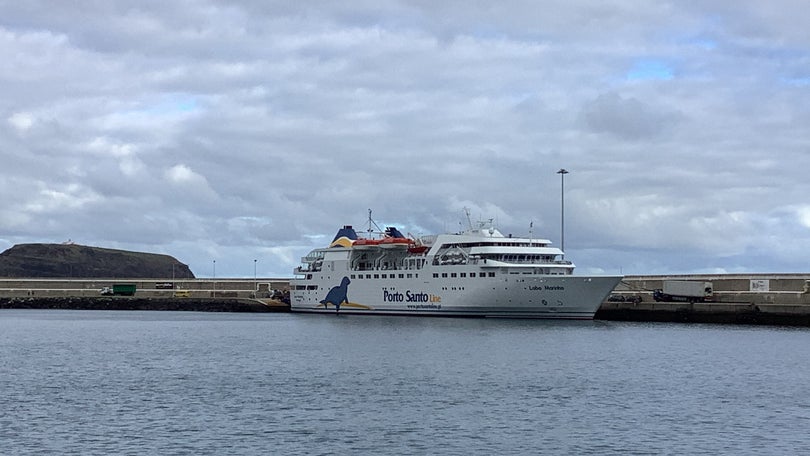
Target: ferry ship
477, 272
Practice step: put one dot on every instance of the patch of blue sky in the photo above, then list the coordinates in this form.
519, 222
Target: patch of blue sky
701, 41
797, 81
649, 69
172, 104
179, 103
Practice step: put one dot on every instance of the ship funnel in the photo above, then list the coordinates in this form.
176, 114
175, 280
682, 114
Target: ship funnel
391, 231
344, 237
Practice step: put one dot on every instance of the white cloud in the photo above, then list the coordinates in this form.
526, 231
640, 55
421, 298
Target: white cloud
193, 188
180, 174
105, 147
804, 216
21, 120
59, 199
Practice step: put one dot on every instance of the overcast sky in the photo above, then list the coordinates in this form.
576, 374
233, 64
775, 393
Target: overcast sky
223, 132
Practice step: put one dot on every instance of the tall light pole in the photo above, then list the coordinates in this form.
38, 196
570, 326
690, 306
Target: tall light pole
214, 285
254, 277
562, 172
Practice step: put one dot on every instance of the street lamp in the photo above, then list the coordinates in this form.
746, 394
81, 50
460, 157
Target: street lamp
562, 172
254, 277
214, 285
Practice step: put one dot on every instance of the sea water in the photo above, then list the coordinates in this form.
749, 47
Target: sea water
162, 383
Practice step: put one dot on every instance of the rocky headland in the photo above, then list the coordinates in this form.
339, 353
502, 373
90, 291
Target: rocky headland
81, 261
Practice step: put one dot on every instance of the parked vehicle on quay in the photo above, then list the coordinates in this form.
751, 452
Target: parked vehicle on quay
684, 290
119, 289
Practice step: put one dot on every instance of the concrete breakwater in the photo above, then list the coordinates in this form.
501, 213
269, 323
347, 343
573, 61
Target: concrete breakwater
772, 299
748, 314
146, 288
127, 303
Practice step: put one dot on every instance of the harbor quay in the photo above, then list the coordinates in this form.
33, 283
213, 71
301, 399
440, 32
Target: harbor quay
221, 294
152, 288
781, 299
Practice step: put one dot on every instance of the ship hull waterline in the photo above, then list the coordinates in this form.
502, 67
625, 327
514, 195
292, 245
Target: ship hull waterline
532, 297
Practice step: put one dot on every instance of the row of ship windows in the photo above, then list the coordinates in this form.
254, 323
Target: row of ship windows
436, 275
462, 275
385, 276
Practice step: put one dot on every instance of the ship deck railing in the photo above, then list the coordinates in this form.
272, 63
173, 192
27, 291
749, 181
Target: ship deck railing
524, 262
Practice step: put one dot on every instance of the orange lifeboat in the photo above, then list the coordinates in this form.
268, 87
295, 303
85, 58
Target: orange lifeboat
365, 243
395, 242
418, 249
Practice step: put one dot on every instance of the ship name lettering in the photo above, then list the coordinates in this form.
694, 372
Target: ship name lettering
409, 296
555, 287
416, 297
392, 297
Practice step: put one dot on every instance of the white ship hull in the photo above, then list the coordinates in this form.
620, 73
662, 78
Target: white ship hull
511, 296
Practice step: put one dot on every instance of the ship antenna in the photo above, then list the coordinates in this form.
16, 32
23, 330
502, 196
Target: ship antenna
469, 222
370, 224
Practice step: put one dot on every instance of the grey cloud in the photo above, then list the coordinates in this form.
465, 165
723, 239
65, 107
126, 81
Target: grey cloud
252, 130
626, 118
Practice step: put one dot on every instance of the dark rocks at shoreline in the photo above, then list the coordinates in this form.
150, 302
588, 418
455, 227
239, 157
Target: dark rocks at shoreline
748, 317
125, 303
752, 317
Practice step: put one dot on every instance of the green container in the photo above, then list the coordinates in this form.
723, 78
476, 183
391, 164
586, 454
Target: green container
123, 289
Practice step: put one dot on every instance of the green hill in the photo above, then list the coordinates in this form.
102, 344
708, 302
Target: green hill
80, 261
